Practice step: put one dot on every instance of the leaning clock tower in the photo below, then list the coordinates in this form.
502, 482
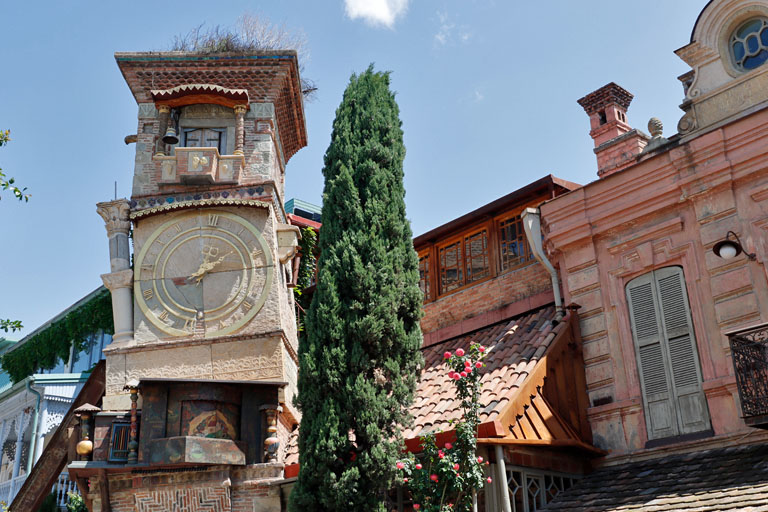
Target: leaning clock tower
202, 370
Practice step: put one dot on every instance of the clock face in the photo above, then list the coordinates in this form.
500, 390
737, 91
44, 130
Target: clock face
205, 269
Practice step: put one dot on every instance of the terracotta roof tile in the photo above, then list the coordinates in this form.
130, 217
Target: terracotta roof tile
515, 347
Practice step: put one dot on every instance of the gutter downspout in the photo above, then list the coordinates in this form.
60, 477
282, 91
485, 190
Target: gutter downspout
506, 505
33, 441
532, 226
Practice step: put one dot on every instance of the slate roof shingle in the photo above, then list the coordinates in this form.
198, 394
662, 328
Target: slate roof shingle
733, 478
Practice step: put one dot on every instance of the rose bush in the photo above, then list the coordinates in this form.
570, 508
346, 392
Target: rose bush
444, 478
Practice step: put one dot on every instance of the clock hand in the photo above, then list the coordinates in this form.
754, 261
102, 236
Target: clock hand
205, 267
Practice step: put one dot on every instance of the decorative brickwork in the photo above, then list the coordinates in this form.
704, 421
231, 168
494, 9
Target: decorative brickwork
206, 499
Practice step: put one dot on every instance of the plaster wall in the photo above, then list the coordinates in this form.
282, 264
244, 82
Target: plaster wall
669, 209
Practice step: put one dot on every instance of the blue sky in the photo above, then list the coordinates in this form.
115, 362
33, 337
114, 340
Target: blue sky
487, 91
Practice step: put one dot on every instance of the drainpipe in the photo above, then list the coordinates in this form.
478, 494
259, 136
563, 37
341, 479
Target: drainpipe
502, 480
33, 442
532, 225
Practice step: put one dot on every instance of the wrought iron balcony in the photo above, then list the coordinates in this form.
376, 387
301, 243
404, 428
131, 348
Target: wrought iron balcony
749, 348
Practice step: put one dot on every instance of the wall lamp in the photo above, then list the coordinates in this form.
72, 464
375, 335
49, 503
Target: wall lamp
728, 249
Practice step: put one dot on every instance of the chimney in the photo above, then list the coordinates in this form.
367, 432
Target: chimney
616, 143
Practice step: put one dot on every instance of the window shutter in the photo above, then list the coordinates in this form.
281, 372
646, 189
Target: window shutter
691, 404
651, 358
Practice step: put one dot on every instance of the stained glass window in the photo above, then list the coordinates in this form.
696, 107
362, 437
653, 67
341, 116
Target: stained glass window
749, 44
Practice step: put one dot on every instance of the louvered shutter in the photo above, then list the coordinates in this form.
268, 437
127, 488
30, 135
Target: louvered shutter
692, 411
660, 417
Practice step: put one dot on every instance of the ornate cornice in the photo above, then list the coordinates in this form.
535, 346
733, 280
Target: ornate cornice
181, 205
115, 214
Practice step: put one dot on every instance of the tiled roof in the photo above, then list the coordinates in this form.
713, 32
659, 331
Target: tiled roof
734, 478
515, 347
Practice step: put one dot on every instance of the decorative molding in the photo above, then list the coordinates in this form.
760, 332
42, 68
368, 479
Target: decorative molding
116, 280
674, 225
115, 215
181, 205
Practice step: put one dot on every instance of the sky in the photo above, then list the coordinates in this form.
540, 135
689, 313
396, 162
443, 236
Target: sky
487, 92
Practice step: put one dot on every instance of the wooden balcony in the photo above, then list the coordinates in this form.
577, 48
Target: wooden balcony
749, 348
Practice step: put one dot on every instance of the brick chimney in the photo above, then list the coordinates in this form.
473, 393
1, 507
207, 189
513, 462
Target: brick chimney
616, 143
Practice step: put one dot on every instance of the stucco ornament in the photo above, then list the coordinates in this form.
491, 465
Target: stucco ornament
115, 214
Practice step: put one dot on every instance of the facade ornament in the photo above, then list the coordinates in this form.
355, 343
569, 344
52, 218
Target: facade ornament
117, 280
687, 123
656, 128
271, 443
132, 387
239, 128
85, 446
115, 215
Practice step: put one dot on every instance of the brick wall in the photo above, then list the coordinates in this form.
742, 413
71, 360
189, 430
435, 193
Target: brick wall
490, 295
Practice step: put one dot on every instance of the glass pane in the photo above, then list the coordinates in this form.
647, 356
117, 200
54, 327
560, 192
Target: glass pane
476, 248
513, 248
747, 28
424, 276
753, 43
738, 51
82, 360
757, 60
450, 267
764, 37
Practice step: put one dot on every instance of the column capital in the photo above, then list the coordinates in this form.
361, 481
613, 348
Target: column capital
115, 215
163, 109
240, 109
116, 280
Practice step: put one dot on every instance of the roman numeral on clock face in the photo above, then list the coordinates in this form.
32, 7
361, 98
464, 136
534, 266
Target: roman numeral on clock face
213, 219
163, 315
148, 293
247, 306
189, 324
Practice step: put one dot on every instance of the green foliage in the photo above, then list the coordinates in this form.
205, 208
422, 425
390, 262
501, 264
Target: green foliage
49, 504
443, 479
10, 325
75, 503
53, 343
9, 183
307, 246
360, 358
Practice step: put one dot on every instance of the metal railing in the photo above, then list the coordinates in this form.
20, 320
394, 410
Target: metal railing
749, 348
9, 488
63, 486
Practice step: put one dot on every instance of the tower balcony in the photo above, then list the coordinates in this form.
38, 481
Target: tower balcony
198, 166
749, 348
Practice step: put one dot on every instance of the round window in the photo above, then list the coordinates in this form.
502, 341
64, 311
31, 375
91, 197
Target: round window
749, 44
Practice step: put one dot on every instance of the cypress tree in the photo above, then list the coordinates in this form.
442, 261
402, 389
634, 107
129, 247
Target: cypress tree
360, 359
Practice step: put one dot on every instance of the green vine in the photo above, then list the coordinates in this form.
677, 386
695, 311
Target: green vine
307, 247
46, 348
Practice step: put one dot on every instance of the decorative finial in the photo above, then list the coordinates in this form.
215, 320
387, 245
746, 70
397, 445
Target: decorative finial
655, 127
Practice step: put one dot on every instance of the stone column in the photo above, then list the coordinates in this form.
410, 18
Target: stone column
120, 280
21, 425
165, 115
239, 128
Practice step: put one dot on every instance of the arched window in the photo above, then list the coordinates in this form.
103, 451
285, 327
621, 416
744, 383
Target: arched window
667, 358
749, 44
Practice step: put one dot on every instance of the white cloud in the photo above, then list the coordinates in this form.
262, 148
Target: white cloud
478, 96
376, 12
449, 32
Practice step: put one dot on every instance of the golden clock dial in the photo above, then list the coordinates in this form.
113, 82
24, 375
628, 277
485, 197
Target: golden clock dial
204, 268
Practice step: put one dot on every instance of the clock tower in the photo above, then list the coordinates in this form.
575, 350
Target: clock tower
202, 370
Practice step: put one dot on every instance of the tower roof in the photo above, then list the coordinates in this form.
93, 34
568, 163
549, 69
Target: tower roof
258, 76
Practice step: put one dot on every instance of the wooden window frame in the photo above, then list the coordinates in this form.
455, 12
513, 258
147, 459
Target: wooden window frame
431, 283
497, 222
487, 226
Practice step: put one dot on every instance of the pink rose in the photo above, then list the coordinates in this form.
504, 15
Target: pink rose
418, 466
467, 363
440, 454
447, 355
455, 467
433, 478
481, 349
490, 480
456, 376
416, 506
400, 465
478, 364
479, 460
405, 480
460, 352
448, 446
463, 374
